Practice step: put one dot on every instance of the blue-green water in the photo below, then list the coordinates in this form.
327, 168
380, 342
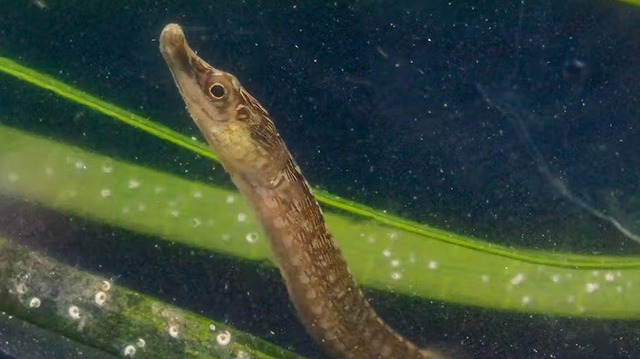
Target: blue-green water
513, 122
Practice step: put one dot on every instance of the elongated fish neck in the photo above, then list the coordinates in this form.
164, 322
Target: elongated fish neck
327, 299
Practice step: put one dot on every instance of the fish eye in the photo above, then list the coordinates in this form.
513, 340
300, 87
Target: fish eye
217, 91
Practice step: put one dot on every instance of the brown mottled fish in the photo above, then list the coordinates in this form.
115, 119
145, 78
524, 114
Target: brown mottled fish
240, 131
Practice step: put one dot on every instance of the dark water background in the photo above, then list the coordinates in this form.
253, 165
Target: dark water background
386, 103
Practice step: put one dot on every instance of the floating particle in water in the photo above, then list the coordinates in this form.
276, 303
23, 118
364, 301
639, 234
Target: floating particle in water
100, 298
396, 276
174, 331
252, 237
517, 279
104, 193
105, 285
230, 199
195, 222
129, 351
35, 302
224, 338
433, 265
212, 327
592, 287
74, 312
242, 217
141, 343
134, 184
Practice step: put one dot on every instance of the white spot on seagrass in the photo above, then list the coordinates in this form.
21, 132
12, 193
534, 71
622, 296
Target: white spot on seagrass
125, 210
242, 217
210, 222
104, 193
72, 193
174, 331
629, 284
74, 312
141, 343
142, 207
224, 338
517, 279
395, 263
582, 309
35, 302
484, 278
100, 298
175, 213
230, 199
595, 273
592, 287
396, 276
105, 285
609, 277
371, 240
48, 171
129, 351
555, 278
134, 184
13, 177
433, 265
304, 278
197, 195
195, 222
212, 327
278, 222
80, 165
107, 169
386, 253
619, 273
392, 236
619, 289
158, 189
252, 237
525, 300
571, 299
226, 237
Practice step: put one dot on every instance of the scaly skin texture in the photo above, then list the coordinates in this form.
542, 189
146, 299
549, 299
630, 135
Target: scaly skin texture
240, 131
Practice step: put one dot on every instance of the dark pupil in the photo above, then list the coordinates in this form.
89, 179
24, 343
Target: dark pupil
217, 91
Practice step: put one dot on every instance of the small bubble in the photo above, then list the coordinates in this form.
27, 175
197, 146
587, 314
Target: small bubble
433, 265
231, 199
141, 343
100, 298
35, 302
252, 237
242, 217
105, 285
74, 312
174, 331
212, 327
130, 351
224, 338
105, 193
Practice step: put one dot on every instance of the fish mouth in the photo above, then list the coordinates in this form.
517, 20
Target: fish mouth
176, 51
